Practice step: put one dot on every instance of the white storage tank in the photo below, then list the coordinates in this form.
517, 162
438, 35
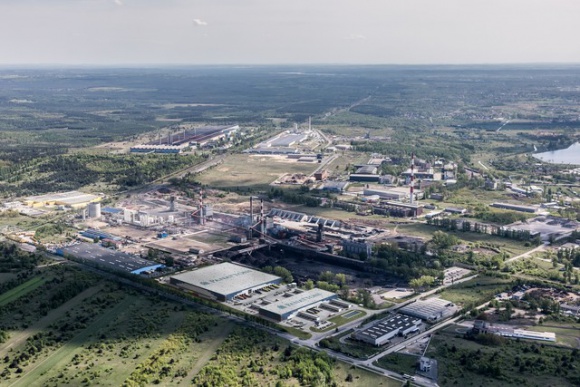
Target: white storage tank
94, 210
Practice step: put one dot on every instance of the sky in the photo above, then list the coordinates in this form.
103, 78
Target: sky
201, 32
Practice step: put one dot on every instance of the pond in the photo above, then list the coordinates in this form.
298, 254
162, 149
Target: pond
570, 155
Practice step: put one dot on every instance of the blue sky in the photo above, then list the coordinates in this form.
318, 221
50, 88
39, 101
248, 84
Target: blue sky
116, 32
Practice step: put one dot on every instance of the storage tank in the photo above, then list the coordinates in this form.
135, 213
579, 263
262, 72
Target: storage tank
94, 210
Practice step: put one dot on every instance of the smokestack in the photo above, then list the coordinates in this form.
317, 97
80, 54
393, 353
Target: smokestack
309, 123
251, 217
262, 222
412, 184
201, 216
319, 233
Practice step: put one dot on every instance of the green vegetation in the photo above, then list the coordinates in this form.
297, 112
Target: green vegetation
490, 360
21, 290
475, 292
399, 362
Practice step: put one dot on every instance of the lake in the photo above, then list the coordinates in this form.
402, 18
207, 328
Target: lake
570, 155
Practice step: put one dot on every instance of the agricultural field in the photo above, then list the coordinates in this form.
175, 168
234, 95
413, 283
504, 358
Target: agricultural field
489, 360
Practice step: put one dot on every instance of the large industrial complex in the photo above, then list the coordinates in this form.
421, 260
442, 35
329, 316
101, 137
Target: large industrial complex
108, 259
224, 281
71, 199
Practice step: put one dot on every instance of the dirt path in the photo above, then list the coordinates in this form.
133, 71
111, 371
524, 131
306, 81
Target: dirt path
18, 339
211, 349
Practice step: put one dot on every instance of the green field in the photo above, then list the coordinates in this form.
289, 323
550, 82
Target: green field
476, 291
21, 290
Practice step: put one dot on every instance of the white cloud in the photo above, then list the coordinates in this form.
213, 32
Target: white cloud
199, 22
119, 2
355, 37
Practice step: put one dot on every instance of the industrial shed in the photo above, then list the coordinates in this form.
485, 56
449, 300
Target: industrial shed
380, 334
108, 259
223, 281
292, 303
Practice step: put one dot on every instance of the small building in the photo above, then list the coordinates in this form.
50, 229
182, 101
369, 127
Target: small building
321, 175
424, 364
456, 210
335, 186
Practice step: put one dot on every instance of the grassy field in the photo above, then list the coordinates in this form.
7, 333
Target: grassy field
257, 172
21, 290
501, 362
476, 291
399, 362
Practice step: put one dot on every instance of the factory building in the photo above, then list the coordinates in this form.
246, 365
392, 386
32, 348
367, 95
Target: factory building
398, 209
515, 207
292, 303
432, 309
288, 215
400, 195
357, 248
364, 178
108, 259
381, 333
71, 199
223, 281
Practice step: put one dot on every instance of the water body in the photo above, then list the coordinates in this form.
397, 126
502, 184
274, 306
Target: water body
570, 155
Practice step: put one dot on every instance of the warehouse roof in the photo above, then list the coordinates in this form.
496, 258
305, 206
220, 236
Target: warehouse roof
108, 258
299, 301
388, 325
225, 278
432, 308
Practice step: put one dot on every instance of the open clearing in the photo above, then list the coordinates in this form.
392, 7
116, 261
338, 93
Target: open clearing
245, 171
21, 290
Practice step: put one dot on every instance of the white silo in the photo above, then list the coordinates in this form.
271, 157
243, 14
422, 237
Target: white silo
94, 210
